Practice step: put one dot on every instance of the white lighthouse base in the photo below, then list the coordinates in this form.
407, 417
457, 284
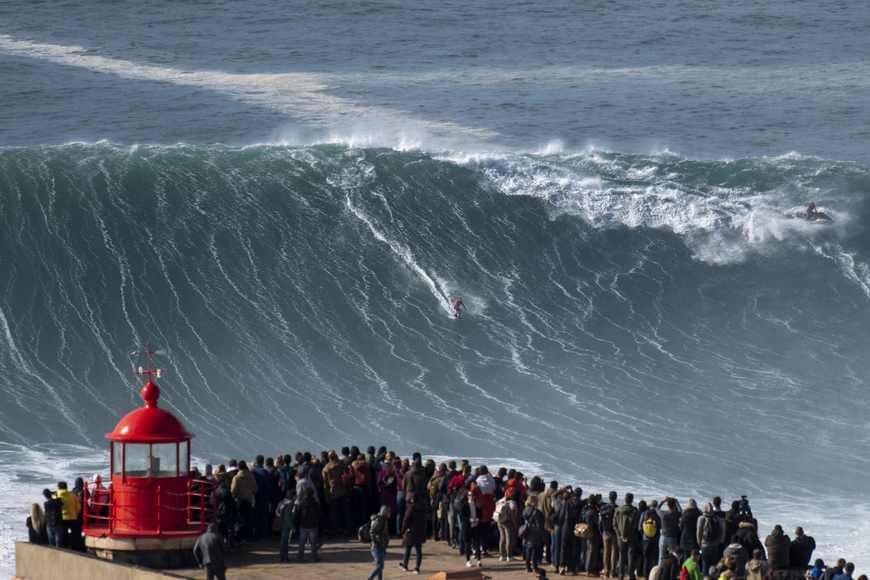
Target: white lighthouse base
159, 553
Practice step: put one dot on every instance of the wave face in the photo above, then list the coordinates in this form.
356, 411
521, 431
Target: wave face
631, 319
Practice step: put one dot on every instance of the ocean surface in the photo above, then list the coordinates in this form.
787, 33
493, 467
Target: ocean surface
284, 196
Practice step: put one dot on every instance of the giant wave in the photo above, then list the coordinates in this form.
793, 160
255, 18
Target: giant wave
633, 320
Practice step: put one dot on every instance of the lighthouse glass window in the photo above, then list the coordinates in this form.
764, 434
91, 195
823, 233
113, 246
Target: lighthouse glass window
150, 459
164, 462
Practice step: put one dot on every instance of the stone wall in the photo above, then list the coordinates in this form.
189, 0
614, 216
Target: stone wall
33, 562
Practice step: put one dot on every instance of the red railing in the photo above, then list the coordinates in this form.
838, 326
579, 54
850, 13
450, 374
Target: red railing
103, 507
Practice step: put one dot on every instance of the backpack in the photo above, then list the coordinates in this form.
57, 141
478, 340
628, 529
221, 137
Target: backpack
364, 533
650, 528
709, 533
503, 515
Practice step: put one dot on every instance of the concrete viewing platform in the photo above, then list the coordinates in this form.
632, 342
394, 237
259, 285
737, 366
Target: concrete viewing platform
260, 560
344, 560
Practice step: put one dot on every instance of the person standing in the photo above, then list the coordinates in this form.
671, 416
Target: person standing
689, 527
380, 532
670, 515
209, 553
650, 527
414, 530
625, 524
70, 515
54, 529
533, 534
286, 512
308, 523
708, 538
336, 492
608, 535
36, 533
244, 490
591, 518
508, 520
778, 545
800, 552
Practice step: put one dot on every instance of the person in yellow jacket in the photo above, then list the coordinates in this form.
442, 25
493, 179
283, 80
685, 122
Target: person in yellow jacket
69, 514
244, 490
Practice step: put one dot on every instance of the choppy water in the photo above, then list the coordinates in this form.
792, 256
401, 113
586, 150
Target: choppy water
285, 198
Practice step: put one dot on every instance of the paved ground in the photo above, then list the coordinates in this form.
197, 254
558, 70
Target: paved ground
350, 560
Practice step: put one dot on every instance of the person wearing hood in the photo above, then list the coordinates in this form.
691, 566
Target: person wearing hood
379, 528
778, 544
625, 524
209, 553
708, 538
244, 490
747, 537
757, 568
800, 552
689, 527
610, 547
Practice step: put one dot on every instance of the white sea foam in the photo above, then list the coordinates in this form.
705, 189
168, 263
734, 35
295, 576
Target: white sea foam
27, 470
302, 96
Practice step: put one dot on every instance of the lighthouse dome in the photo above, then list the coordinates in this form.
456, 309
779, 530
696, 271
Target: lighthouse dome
149, 424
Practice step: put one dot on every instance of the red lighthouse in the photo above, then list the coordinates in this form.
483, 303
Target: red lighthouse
154, 509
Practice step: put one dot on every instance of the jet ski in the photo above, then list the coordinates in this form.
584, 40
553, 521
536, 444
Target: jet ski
812, 215
816, 217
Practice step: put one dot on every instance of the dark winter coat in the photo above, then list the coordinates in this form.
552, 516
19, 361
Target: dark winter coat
688, 529
801, 552
746, 537
778, 545
308, 514
605, 518
533, 530
414, 525
670, 523
415, 481
209, 549
53, 509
